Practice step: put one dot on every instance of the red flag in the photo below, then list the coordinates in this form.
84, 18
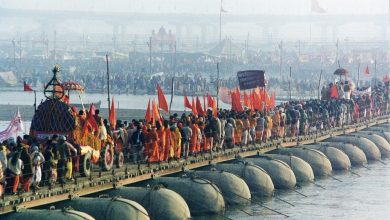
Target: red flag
148, 116
90, 120
65, 99
162, 102
187, 103
333, 92
112, 116
199, 108
27, 87
194, 111
367, 71
210, 101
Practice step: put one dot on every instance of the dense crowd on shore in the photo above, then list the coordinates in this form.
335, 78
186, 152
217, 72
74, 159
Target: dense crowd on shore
29, 163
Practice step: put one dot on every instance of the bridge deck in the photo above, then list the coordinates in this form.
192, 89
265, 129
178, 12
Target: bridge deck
99, 181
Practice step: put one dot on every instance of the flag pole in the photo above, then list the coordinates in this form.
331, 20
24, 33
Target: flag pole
375, 73
35, 100
217, 85
319, 85
358, 78
172, 93
289, 84
108, 85
220, 22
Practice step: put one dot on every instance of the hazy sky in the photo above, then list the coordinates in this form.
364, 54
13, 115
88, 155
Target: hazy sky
205, 6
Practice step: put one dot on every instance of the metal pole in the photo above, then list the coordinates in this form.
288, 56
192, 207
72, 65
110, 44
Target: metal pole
358, 78
281, 59
35, 100
54, 46
375, 73
217, 85
13, 43
150, 55
289, 84
220, 22
108, 85
319, 85
20, 50
172, 94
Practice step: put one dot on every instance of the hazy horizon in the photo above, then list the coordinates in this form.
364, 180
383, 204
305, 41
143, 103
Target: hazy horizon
294, 7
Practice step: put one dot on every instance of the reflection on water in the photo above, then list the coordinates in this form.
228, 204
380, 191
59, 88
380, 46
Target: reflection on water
364, 197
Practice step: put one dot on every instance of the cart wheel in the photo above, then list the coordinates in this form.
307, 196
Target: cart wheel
85, 164
119, 160
106, 158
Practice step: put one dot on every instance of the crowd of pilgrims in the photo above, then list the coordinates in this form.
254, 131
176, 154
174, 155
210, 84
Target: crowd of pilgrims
27, 163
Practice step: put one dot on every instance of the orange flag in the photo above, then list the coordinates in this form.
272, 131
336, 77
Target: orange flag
247, 101
156, 114
215, 110
272, 100
210, 101
386, 79
162, 102
333, 92
187, 103
90, 120
148, 116
199, 108
112, 116
194, 111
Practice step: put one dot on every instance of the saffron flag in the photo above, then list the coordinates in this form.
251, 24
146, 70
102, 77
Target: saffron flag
333, 92
210, 101
156, 113
236, 103
199, 108
194, 111
90, 120
112, 115
215, 110
272, 100
247, 101
27, 87
162, 102
148, 116
367, 71
187, 103
65, 99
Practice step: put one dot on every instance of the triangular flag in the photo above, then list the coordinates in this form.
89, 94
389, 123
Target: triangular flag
112, 116
27, 87
194, 111
210, 101
162, 102
148, 116
187, 103
386, 79
204, 106
199, 108
90, 120
367, 71
247, 101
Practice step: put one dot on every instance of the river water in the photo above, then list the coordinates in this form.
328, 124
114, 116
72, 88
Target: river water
125, 101
349, 197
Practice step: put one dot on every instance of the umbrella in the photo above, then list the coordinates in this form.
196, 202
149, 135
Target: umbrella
341, 72
72, 86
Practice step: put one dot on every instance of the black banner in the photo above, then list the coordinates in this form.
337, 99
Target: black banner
250, 79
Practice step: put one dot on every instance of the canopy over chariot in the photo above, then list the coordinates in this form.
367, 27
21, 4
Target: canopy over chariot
55, 116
